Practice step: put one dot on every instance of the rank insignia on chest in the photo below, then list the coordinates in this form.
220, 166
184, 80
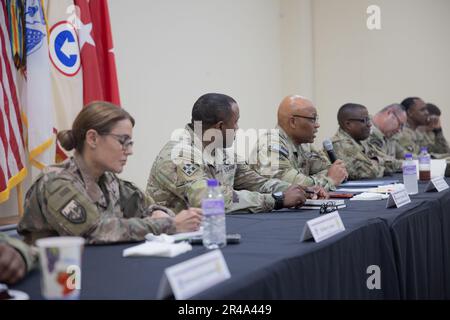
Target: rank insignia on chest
74, 212
228, 168
189, 169
279, 149
371, 154
307, 155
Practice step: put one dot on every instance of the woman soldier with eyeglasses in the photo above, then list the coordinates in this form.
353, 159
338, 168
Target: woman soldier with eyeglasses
82, 196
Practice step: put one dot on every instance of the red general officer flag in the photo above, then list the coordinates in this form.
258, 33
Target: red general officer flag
97, 52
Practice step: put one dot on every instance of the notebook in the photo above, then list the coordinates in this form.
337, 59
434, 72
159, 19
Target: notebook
367, 183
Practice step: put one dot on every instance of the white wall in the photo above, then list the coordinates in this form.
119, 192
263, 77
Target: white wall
297, 50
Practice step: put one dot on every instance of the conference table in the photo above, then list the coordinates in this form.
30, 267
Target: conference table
408, 245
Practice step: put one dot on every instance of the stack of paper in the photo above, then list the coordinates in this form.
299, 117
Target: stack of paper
184, 236
369, 196
386, 189
158, 249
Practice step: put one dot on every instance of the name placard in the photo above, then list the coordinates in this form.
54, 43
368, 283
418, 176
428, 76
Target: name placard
193, 276
398, 198
323, 227
437, 184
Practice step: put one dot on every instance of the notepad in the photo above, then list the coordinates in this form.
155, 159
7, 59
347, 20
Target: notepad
367, 183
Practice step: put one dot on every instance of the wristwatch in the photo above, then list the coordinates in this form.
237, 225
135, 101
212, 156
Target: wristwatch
279, 199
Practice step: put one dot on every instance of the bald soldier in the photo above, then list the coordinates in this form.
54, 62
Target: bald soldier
287, 152
179, 174
386, 124
349, 145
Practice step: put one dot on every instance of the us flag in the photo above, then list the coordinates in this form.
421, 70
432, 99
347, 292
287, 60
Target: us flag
12, 155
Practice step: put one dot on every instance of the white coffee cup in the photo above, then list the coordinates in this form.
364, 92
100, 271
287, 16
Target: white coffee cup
60, 259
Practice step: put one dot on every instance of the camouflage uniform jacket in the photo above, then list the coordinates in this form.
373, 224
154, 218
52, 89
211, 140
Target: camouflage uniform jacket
409, 141
276, 156
179, 174
358, 157
436, 142
387, 149
29, 254
66, 201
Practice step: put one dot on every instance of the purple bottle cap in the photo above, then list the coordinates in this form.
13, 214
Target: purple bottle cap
408, 156
212, 183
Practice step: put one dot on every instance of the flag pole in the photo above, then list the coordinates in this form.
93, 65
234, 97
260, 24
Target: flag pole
19, 199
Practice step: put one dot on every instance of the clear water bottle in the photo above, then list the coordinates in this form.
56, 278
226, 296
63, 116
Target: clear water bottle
213, 206
424, 165
410, 174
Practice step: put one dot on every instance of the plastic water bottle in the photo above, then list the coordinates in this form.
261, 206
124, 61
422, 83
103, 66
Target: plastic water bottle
410, 174
214, 229
424, 165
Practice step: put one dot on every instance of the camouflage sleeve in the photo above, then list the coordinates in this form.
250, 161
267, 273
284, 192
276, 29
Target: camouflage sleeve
255, 190
251, 201
358, 165
135, 203
400, 150
390, 164
375, 140
189, 184
273, 162
405, 144
396, 150
434, 141
247, 179
29, 254
319, 165
440, 143
322, 179
429, 138
71, 213
111, 230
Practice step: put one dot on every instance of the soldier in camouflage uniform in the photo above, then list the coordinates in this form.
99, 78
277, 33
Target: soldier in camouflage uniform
287, 152
179, 174
361, 160
412, 138
386, 124
409, 139
83, 197
16, 259
433, 134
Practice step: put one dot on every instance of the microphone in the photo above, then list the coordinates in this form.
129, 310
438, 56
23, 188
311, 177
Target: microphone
328, 146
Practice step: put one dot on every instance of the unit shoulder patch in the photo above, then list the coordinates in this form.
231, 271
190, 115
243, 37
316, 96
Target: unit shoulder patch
74, 212
189, 169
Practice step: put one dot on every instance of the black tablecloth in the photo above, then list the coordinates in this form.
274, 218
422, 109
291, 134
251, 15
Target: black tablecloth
409, 245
